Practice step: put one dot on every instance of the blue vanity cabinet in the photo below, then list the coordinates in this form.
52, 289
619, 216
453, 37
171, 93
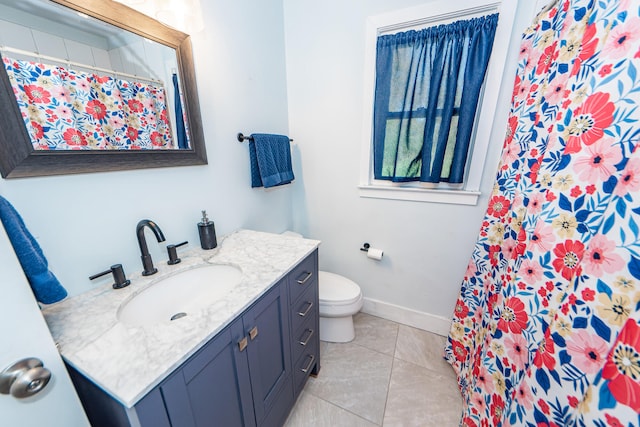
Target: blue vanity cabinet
305, 321
249, 374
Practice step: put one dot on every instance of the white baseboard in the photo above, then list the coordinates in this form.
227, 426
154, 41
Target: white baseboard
417, 319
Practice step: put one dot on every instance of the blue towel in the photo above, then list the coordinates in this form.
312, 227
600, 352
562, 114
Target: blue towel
270, 157
44, 284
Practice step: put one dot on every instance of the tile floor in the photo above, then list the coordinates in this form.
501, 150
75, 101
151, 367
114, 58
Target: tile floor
390, 375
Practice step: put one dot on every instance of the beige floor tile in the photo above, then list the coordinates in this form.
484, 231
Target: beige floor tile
423, 349
421, 397
375, 333
354, 378
311, 411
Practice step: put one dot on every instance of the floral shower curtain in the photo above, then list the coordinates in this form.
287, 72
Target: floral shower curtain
65, 109
546, 330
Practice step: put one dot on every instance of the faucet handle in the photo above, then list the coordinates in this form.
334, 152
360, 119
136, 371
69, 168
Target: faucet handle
173, 253
120, 279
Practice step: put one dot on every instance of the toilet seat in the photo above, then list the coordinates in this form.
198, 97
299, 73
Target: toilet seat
336, 290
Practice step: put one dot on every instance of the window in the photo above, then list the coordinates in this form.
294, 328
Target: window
383, 176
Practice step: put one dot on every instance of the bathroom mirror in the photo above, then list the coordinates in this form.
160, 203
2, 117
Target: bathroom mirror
111, 23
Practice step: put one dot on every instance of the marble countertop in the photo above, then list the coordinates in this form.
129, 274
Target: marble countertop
128, 361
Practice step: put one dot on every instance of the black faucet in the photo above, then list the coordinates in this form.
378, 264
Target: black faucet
147, 262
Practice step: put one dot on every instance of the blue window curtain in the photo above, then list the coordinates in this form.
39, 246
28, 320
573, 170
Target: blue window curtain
427, 87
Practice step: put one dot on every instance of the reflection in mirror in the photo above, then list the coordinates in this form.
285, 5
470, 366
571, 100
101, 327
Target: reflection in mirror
86, 82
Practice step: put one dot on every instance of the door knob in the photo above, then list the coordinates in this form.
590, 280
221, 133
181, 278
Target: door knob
24, 378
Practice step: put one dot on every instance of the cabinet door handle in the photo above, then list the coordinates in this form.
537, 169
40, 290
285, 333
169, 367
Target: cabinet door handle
304, 313
307, 277
242, 344
304, 342
253, 333
310, 364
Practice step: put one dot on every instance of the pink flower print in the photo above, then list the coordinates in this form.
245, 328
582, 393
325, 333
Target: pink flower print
630, 179
557, 90
524, 396
597, 162
484, 381
478, 402
530, 271
542, 237
587, 350
622, 38
517, 350
116, 122
589, 122
64, 112
535, 203
600, 257
508, 248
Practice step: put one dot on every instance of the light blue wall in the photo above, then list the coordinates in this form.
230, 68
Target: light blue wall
427, 246
85, 223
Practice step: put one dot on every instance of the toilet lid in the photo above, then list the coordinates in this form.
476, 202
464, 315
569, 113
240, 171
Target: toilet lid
334, 288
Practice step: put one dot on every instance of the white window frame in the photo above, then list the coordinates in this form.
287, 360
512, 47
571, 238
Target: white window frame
434, 13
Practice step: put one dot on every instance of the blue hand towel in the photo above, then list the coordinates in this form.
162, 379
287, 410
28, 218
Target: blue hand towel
270, 157
44, 284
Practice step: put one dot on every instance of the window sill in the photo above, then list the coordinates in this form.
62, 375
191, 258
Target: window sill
455, 197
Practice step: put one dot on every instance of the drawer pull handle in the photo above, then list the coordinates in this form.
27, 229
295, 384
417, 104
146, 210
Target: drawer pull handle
310, 364
304, 313
306, 341
307, 277
253, 333
242, 344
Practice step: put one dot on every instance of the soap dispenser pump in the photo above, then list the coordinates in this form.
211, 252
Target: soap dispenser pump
207, 232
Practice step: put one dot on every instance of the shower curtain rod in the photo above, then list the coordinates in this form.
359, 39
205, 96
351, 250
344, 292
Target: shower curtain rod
78, 64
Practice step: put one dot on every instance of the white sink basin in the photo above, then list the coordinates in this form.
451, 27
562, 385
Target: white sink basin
180, 295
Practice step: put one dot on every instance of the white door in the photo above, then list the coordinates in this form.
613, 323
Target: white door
24, 334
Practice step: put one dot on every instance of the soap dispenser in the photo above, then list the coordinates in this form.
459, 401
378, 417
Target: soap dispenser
207, 232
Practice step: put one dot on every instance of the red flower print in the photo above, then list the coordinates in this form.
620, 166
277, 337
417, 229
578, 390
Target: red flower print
497, 408
96, 109
498, 206
568, 255
38, 132
587, 47
546, 59
573, 401
576, 191
544, 407
132, 133
494, 254
459, 351
135, 105
37, 94
156, 139
589, 122
461, 310
613, 421
513, 317
588, 294
74, 138
591, 189
605, 70
544, 355
623, 366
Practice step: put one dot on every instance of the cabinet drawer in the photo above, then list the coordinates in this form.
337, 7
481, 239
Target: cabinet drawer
304, 308
302, 277
303, 367
305, 337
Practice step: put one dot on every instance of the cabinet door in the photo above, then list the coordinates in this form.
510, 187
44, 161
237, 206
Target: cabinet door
267, 327
213, 388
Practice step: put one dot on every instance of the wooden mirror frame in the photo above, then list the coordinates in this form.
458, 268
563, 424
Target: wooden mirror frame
19, 159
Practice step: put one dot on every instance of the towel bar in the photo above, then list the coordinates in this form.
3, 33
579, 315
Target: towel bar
243, 138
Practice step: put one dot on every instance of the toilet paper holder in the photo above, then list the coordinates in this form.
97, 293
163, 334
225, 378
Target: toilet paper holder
365, 247
373, 253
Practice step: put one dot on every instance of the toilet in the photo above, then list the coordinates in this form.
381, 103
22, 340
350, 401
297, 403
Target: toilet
340, 298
